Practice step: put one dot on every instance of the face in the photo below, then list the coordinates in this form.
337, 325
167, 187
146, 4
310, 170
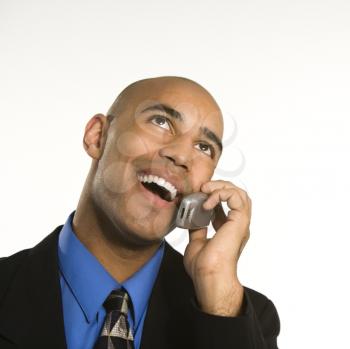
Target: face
166, 129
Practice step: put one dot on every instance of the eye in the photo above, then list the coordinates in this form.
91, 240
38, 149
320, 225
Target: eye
207, 149
160, 120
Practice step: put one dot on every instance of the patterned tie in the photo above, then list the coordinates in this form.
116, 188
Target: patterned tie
116, 333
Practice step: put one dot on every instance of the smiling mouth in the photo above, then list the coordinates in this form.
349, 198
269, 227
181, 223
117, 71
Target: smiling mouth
165, 191
158, 190
158, 186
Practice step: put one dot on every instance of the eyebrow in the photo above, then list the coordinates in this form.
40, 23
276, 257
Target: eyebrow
212, 136
178, 116
165, 108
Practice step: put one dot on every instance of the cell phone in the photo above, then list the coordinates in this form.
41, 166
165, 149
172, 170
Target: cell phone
191, 214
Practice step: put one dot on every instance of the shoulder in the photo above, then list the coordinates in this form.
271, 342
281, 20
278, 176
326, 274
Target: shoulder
8, 268
258, 299
265, 312
9, 264
24, 265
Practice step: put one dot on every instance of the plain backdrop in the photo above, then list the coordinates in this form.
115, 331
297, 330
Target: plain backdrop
280, 72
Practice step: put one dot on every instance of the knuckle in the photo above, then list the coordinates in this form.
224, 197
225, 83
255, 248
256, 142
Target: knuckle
244, 194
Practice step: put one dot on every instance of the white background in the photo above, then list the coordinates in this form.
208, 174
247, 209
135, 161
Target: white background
279, 70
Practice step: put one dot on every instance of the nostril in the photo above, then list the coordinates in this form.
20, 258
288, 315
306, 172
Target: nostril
185, 167
177, 162
170, 158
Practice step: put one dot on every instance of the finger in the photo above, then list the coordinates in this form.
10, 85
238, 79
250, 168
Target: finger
231, 196
210, 186
231, 237
198, 234
219, 216
244, 242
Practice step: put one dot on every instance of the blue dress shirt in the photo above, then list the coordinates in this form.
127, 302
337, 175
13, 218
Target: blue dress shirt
85, 284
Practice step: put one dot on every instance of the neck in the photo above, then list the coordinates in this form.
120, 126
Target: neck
119, 257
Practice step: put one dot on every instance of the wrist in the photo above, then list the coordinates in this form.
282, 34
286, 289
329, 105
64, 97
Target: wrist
223, 299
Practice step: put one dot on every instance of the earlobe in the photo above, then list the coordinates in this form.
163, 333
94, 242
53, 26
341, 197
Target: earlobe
94, 135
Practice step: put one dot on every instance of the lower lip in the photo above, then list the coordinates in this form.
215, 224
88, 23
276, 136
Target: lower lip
155, 199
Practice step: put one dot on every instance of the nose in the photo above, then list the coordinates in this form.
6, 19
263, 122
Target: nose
179, 153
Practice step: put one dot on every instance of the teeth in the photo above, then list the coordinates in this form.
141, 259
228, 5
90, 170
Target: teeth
160, 181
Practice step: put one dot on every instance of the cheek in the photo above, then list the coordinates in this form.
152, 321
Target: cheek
116, 179
114, 173
202, 173
130, 144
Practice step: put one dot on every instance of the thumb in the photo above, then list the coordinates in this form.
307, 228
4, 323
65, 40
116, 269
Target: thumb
198, 234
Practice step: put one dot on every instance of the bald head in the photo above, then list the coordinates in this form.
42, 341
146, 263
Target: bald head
151, 87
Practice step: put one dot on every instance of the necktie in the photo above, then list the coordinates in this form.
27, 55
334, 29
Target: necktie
116, 333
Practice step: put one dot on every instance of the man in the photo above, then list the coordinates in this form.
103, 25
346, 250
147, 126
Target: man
160, 140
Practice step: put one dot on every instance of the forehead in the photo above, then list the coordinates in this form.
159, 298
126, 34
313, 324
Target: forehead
193, 102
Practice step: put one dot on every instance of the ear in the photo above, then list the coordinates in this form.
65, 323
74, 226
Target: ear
95, 135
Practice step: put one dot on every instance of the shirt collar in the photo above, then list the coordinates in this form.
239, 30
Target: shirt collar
90, 282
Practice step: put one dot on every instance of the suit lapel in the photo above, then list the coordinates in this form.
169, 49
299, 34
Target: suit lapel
157, 321
168, 319
32, 314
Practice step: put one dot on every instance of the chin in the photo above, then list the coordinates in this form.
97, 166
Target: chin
148, 234
142, 233
153, 225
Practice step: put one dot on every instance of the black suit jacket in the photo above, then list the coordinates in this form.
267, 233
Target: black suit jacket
31, 313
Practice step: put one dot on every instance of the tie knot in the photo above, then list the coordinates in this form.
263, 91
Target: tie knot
118, 300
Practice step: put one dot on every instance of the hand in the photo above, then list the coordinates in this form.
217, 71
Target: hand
212, 263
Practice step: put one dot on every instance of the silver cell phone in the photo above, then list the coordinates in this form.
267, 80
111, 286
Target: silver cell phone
191, 214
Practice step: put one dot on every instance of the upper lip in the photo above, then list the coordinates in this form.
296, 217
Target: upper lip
168, 176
